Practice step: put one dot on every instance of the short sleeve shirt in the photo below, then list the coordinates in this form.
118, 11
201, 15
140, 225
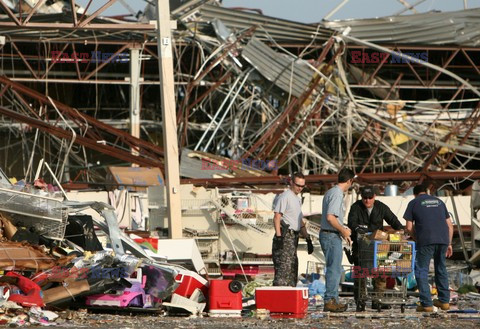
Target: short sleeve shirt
290, 206
333, 205
429, 214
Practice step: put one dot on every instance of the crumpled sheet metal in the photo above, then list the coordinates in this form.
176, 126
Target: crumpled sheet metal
286, 72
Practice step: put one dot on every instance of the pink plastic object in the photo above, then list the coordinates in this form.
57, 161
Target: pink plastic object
134, 296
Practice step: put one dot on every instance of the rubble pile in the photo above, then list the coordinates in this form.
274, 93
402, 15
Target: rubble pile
71, 271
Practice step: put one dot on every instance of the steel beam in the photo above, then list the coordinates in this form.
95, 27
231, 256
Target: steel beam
410, 152
93, 124
473, 125
322, 179
279, 126
70, 26
305, 123
87, 142
360, 139
452, 56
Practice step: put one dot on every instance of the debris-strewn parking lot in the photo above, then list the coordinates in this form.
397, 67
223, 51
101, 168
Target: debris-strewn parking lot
313, 320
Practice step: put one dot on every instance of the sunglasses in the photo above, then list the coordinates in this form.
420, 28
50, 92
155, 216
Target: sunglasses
368, 198
302, 186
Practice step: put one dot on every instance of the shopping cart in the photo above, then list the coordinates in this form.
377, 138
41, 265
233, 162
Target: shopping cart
381, 260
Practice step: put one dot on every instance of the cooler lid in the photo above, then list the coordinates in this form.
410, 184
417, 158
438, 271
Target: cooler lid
281, 288
187, 273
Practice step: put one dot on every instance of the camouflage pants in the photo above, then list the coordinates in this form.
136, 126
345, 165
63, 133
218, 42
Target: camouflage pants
285, 261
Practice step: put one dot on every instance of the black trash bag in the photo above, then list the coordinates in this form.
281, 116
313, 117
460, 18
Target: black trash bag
30, 235
26, 235
81, 232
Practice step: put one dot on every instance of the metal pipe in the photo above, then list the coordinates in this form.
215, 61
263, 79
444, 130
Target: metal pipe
217, 113
337, 8
227, 110
411, 6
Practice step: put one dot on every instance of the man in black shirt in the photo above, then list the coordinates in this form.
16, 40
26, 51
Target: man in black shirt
367, 215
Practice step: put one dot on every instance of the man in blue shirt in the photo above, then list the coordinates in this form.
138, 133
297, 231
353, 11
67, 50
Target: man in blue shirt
433, 231
331, 234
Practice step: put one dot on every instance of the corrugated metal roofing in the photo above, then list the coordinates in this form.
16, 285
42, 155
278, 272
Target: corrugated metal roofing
281, 30
284, 71
433, 28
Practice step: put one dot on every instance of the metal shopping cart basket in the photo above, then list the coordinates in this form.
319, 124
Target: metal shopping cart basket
377, 261
47, 215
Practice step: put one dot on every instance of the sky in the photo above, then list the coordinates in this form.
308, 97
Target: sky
311, 11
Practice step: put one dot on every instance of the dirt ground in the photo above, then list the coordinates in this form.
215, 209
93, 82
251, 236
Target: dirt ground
119, 322
314, 319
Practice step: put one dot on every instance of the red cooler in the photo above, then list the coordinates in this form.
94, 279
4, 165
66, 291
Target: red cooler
189, 281
225, 296
282, 299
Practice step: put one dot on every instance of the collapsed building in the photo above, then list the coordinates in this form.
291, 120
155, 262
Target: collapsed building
396, 99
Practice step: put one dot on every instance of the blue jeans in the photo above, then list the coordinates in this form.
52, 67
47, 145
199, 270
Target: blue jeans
332, 250
422, 262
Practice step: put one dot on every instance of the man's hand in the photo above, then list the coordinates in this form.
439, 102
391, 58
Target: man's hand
449, 252
309, 246
278, 242
348, 241
346, 232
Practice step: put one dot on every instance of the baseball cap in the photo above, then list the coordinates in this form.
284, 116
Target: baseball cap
367, 192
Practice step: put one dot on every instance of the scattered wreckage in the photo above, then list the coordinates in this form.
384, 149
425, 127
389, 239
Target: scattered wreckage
52, 257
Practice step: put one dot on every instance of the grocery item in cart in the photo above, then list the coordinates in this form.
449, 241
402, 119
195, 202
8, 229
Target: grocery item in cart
379, 235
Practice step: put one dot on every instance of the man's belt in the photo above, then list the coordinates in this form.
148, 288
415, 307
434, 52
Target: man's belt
290, 230
330, 231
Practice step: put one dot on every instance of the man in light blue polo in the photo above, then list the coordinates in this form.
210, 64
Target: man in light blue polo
331, 234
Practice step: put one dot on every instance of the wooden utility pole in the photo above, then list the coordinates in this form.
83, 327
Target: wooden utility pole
170, 141
135, 95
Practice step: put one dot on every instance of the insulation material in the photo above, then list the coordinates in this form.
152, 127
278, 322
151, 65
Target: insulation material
398, 138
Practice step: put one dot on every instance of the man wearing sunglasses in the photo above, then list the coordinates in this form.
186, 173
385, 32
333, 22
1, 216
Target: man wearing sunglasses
288, 224
367, 215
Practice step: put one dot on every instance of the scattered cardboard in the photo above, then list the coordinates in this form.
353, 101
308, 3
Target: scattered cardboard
65, 291
22, 256
379, 235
